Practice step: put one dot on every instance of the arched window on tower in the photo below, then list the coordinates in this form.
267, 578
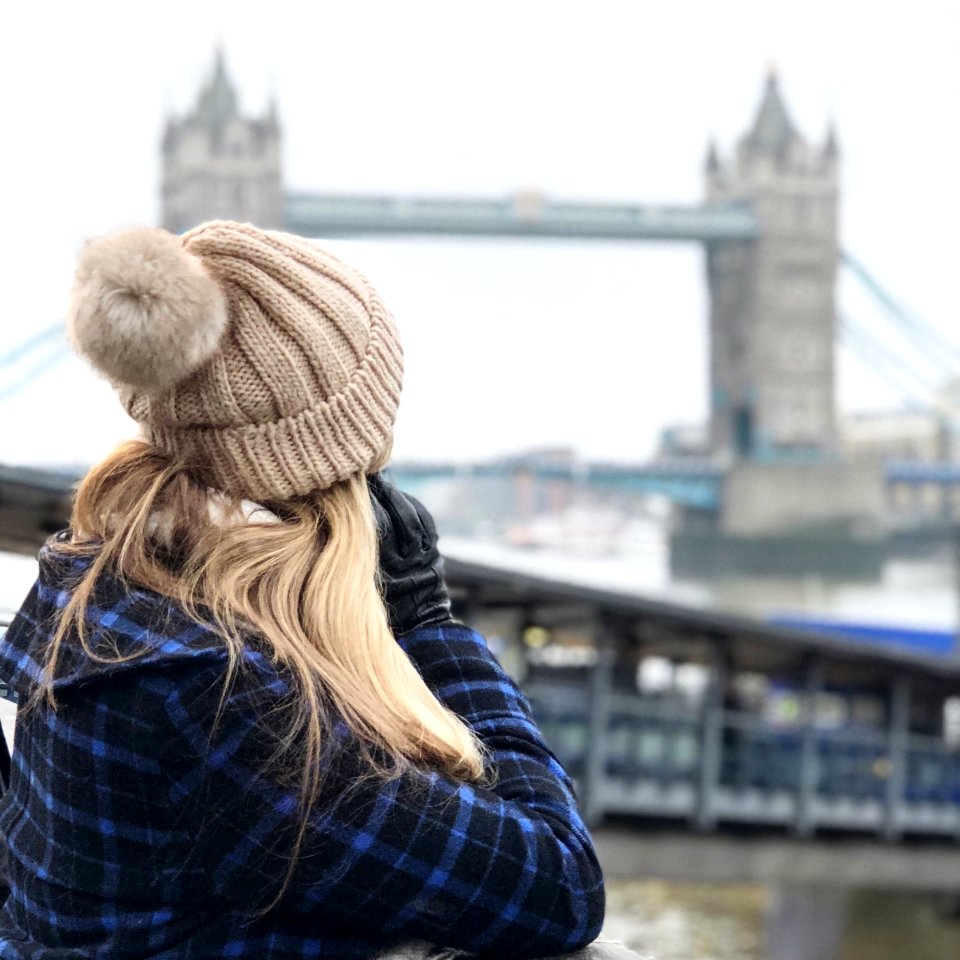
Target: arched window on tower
743, 428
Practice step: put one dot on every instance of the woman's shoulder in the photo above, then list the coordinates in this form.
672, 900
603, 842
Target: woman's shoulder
127, 628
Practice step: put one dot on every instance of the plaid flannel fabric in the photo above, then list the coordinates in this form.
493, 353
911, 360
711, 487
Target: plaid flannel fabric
136, 827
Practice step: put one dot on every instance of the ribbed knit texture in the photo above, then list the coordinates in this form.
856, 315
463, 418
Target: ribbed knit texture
304, 387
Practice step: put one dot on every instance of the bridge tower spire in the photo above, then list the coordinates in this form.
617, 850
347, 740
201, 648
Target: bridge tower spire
219, 163
772, 310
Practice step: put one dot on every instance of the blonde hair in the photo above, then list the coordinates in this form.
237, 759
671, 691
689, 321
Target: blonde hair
308, 587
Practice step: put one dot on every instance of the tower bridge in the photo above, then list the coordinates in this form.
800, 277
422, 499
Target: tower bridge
768, 227
773, 465
768, 224
800, 735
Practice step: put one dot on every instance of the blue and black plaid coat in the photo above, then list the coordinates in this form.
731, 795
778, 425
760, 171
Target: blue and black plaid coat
134, 827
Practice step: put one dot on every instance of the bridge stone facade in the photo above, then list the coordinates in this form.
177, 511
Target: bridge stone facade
769, 229
772, 310
769, 226
218, 163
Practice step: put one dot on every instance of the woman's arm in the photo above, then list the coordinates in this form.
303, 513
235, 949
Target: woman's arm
453, 660
457, 665
509, 870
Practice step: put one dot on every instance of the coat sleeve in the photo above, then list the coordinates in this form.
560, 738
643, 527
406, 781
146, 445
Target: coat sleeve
507, 870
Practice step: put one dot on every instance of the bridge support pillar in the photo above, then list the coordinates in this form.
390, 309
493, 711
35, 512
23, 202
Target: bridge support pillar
806, 923
598, 725
711, 740
899, 733
809, 773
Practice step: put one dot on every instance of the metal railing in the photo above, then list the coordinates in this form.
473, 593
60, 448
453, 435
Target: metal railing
652, 762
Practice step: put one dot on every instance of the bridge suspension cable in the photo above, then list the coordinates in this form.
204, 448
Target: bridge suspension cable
27, 346
883, 361
922, 337
891, 366
45, 349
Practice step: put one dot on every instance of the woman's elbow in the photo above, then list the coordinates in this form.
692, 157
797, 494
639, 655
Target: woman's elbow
584, 908
579, 904
573, 921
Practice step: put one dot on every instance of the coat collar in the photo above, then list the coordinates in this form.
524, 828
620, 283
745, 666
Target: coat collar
128, 627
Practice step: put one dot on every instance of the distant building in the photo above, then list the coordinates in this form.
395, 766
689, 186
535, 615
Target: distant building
220, 164
916, 435
772, 311
684, 440
926, 434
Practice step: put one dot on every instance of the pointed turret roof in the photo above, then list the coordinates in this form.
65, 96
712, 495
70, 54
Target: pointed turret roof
772, 131
218, 99
712, 162
831, 148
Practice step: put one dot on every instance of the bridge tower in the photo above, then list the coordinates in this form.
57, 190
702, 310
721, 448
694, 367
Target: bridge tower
218, 163
772, 310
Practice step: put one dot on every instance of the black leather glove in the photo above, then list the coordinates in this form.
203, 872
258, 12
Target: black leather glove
411, 567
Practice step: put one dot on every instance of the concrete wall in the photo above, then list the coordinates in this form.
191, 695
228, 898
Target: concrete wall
630, 853
769, 498
772, 311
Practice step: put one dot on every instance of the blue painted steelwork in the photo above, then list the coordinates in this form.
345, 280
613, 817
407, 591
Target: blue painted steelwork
694, 483
940, 642
523, 215
943, 473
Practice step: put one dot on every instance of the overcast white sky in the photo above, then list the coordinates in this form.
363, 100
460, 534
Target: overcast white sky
508, 345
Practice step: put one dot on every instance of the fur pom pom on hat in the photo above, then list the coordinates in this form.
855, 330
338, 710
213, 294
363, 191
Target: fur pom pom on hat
143, 311
264, 362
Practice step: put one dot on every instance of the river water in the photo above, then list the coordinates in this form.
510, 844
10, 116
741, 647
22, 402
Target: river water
914, 593
688, 922
669, 921
917, 593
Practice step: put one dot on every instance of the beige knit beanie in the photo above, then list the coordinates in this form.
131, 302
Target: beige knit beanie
270, 366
